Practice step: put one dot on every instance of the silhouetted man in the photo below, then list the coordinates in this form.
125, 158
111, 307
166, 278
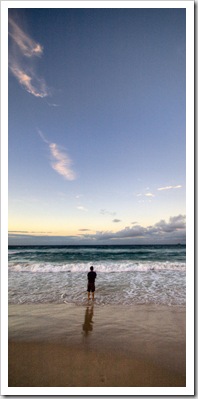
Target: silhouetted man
91, 282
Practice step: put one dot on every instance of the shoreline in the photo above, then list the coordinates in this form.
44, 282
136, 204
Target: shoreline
91, 345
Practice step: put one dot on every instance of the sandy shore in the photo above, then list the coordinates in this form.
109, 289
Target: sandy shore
73, 346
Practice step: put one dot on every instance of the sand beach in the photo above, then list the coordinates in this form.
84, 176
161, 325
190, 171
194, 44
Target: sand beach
66, 345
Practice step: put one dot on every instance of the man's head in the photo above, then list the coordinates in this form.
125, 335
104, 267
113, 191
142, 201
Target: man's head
91, 268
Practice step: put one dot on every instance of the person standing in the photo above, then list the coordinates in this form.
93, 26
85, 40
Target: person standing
91, 282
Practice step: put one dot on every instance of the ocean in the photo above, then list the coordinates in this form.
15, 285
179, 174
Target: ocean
126, 274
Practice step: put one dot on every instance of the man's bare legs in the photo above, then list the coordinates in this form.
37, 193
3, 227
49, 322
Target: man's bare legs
89, 296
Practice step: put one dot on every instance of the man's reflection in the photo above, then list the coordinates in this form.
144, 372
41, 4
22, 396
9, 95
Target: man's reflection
88, 323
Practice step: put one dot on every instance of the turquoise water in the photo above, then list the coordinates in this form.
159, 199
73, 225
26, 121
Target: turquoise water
125, 274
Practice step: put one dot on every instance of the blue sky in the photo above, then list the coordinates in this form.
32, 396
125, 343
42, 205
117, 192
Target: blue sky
97, 126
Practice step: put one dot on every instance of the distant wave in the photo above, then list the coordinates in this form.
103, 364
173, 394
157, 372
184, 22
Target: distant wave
100, 254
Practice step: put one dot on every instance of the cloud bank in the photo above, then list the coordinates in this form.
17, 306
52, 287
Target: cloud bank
162, 232
174, 229
22, 50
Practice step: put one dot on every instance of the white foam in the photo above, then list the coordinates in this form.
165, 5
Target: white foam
102, 267
160, 287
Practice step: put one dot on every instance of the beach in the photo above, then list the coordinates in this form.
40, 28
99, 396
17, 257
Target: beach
93, 345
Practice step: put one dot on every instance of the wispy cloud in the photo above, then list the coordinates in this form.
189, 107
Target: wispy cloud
116, 220
106, 212
28, 79
60, 161
22, 50
149, 195
145, 195
18, 231
29, 232
42, 136
82, 208
53, 104
169, 187
27, 46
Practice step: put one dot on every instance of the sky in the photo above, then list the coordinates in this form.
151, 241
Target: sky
97, 126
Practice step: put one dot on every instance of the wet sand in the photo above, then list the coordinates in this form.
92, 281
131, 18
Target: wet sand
96, 346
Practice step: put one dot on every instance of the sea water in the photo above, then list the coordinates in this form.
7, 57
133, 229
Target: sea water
136, 274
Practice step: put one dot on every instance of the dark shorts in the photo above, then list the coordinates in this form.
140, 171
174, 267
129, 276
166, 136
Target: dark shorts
90, 287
